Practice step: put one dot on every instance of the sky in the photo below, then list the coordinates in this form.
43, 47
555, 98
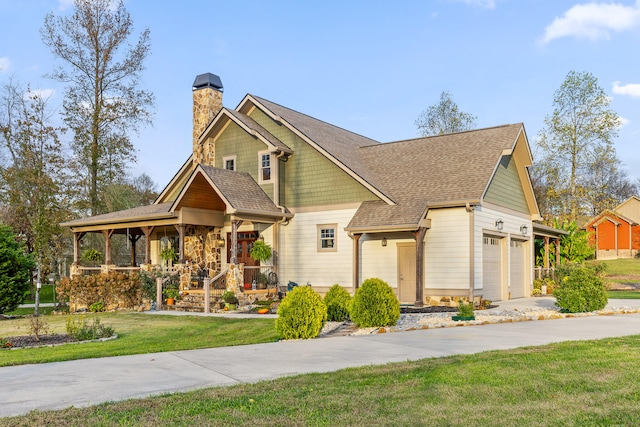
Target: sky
368, 66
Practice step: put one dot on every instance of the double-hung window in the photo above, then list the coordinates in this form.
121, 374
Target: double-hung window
229, 163
264, 159
327, 238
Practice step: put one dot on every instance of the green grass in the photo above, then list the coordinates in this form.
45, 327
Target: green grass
140, 334
27, 311
587, 383
622, 267
624, 294
46, 295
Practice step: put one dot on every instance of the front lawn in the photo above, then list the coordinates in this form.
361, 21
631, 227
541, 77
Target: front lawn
623, 294
139, 334
586, 383
622, 267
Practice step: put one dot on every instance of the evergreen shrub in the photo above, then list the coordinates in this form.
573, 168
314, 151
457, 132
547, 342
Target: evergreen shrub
301, 314
337, 301
375, 304
581, 291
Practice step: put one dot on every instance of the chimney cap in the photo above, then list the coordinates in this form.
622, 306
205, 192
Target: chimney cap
207, 80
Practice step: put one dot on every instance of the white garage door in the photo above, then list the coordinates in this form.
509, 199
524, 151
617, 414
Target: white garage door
517, 269
491, 269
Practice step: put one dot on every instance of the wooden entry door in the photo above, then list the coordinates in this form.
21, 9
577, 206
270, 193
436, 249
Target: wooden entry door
245, 243
407, 273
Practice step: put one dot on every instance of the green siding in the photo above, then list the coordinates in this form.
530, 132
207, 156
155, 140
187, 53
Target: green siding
234, 141
308, 178
505, 188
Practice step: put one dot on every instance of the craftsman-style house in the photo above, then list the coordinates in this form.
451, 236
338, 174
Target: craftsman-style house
448, 215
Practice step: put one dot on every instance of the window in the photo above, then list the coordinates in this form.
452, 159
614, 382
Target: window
229, 163
265, 167
327, 241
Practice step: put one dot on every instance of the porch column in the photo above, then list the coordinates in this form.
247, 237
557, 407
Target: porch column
356, 261
419, 236
180, 228
234, 241
107, 246
76, 247
558, 252
546, 252
133, 239
147, 237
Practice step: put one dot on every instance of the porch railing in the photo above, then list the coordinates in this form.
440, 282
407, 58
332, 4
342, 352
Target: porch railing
543, 273
260, 277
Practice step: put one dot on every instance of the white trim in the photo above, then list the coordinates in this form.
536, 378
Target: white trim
233, 158
334, 238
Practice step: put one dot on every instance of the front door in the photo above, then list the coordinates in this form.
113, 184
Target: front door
407, 273
245, 243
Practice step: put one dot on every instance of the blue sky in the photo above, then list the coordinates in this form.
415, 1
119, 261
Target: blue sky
367, 66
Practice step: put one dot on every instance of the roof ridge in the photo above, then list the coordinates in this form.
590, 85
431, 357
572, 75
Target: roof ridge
454, 133
315, 118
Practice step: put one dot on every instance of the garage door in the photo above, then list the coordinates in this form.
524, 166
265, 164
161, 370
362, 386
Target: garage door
491, 268
517, 274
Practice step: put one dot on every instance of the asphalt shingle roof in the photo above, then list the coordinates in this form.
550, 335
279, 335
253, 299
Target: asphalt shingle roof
150, 211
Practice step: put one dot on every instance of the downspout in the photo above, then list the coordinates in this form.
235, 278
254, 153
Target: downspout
284, 221
472, 266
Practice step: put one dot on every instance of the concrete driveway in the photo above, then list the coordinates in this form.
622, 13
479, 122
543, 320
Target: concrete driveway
87, 382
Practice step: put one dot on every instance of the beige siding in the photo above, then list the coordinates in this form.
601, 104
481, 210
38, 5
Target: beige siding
311, 179
447, 249
300, 260
505, 188
630, 209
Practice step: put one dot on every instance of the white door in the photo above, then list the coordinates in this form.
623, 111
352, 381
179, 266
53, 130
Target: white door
491, 269
407, 273
517, 274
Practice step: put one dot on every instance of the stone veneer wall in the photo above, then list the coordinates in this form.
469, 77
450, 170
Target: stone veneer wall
200, 252
207, 102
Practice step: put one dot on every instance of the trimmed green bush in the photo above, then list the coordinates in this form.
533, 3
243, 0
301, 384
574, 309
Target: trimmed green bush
15, 270
581, 291
375, 304
337, 301
301, 314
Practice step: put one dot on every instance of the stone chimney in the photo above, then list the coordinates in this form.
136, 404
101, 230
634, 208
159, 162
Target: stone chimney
207, 101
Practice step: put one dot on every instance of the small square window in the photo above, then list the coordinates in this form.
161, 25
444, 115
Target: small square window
229, 163
327, 239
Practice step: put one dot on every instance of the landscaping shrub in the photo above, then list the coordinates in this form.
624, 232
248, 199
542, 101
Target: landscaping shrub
581, 291
148, 281
337, 301
301, 314
112, 289
15, 271
374, 304
83, 331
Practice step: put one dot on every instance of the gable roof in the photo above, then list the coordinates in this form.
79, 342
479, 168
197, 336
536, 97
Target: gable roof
430, 172
148, 212
337, 144
608, 215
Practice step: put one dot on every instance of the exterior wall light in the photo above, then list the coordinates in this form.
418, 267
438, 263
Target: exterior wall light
219, 243
384, 241
499, 224
524, 229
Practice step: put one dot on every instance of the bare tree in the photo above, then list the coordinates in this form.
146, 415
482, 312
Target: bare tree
444, 117
103, 102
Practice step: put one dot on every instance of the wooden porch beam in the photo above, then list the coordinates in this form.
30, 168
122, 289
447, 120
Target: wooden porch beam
558, 252
419, 236
133, 239
147, 240
107, 245
546, 251
356, 261
77, 236
234, 241
181, 229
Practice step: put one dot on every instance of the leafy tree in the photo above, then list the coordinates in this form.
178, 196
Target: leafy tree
578, 134
574, 247
444, 117
103, 101
15, 270
34, 174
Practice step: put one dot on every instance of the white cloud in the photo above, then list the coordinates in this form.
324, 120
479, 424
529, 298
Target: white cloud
631, 89
593, 21
623, 121
39, 93
486, 4
4, 63
65, 4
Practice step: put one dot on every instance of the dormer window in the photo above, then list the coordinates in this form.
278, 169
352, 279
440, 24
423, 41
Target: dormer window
229, 163
264, 159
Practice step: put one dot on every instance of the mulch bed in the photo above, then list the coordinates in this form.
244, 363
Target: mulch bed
30, 341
